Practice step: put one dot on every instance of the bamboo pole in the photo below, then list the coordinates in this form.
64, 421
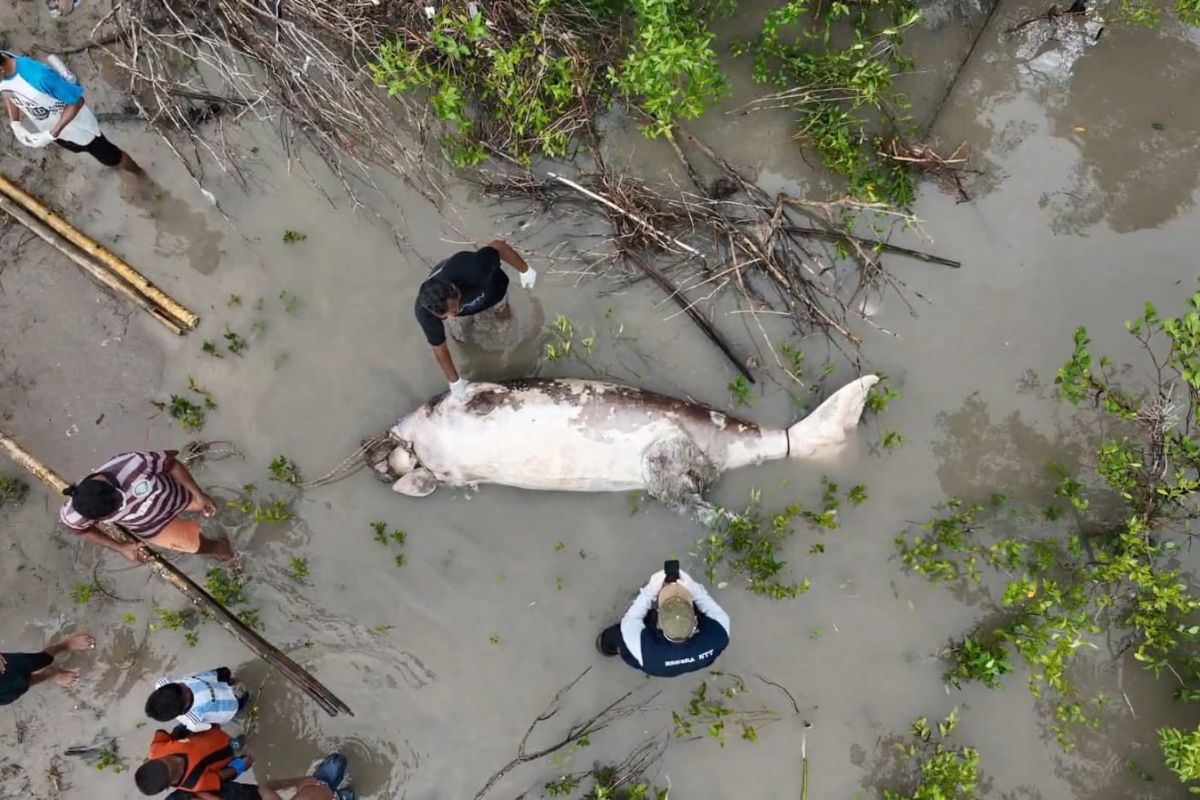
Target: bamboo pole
69, 250
102, 254
193, 592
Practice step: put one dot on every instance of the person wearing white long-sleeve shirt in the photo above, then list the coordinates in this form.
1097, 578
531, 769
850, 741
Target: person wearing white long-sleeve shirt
672, 628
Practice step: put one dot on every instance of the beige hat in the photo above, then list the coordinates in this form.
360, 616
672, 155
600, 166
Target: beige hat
676, 615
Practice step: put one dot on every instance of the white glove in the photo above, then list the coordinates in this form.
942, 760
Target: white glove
458, 389
528, 278
655, 584
690, 583
31, 138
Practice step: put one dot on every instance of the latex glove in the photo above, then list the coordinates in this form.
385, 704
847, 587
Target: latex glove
528, 278
458, 389
30, 138
655, 584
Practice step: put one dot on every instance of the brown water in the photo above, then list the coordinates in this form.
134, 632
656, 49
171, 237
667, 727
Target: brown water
1085, 211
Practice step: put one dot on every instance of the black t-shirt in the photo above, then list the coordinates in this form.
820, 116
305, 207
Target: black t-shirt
481, 284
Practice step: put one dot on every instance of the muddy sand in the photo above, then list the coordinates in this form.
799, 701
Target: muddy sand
1086, 210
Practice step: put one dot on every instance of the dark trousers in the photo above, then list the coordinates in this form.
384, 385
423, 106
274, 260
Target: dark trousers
18, 671
610, 640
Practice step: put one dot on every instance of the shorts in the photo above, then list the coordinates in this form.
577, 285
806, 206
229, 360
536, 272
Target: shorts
18, 670
182, 535
229, 791
99, 148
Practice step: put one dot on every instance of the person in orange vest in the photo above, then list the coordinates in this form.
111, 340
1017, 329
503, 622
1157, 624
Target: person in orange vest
205, 765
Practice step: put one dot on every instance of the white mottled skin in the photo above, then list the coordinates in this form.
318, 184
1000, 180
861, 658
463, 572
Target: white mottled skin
591, 436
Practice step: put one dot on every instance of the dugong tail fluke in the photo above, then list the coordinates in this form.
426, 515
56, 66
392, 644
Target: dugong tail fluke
833, 420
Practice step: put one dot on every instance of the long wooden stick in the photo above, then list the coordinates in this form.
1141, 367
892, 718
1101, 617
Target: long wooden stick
79, 257
194, 592
887, 247
675, 294
106, 258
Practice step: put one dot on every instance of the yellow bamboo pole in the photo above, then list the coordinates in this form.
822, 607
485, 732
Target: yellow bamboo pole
192, 591
102, 254
8, 205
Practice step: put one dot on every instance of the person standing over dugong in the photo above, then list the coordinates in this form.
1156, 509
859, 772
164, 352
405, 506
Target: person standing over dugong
463, 285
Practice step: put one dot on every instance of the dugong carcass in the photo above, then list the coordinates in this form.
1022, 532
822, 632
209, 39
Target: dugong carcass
591, 436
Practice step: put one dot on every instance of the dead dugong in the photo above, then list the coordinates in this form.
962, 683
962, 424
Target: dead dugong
591, 436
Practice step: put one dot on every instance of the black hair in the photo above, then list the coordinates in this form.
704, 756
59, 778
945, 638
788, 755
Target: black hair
93, 498
435, 295
153, 777
166, 703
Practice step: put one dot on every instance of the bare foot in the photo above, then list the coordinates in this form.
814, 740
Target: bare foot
80, 641
61, 677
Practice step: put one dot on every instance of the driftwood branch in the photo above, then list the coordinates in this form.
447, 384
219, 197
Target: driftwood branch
886, 247
275, 657
617, 710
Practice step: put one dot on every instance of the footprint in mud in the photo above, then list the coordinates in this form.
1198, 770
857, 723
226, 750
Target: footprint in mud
180, 229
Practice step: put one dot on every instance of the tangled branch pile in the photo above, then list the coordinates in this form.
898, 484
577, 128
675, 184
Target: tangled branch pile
302, 64
777, 251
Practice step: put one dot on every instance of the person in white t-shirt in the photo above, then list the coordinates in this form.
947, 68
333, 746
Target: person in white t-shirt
55, 107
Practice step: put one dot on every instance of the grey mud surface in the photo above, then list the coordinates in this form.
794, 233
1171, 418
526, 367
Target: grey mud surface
1085, 211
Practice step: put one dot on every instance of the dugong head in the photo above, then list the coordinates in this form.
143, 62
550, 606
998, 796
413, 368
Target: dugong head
403, 470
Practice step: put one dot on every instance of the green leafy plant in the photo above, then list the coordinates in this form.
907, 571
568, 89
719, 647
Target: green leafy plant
173, 620
524, 80
1181, 752
299, 568
713, 713
285, 470
739, 389
293, 237
976, 661
128, 619
191, 638
230, 591
13, 491
82, 593
747, 546
108, 758
838, 85
380, 529
191, 415
211, 348
1116, 574
933, 769
396, 537
233, 341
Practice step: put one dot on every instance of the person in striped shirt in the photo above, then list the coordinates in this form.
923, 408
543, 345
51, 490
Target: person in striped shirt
144, 492
198, 701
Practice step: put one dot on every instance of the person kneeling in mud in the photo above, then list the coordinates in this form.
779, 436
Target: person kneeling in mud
144, 492
672, 628
206, 765
198, 701
463, 285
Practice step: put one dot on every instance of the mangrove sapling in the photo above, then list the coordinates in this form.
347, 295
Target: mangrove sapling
746, 547
191, 415
931, 769
293, 237
712, 714
298, 568
740, 391
837, 91
13, 491
81, 595
233, 341
285, 470
1119, 582
289, 301
211, 348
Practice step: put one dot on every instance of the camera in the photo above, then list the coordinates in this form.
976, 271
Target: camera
671, 568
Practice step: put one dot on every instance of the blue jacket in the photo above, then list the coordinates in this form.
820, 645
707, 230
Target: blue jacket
644, 647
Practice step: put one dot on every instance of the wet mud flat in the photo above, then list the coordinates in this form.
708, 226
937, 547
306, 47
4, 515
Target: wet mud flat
1086, 210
